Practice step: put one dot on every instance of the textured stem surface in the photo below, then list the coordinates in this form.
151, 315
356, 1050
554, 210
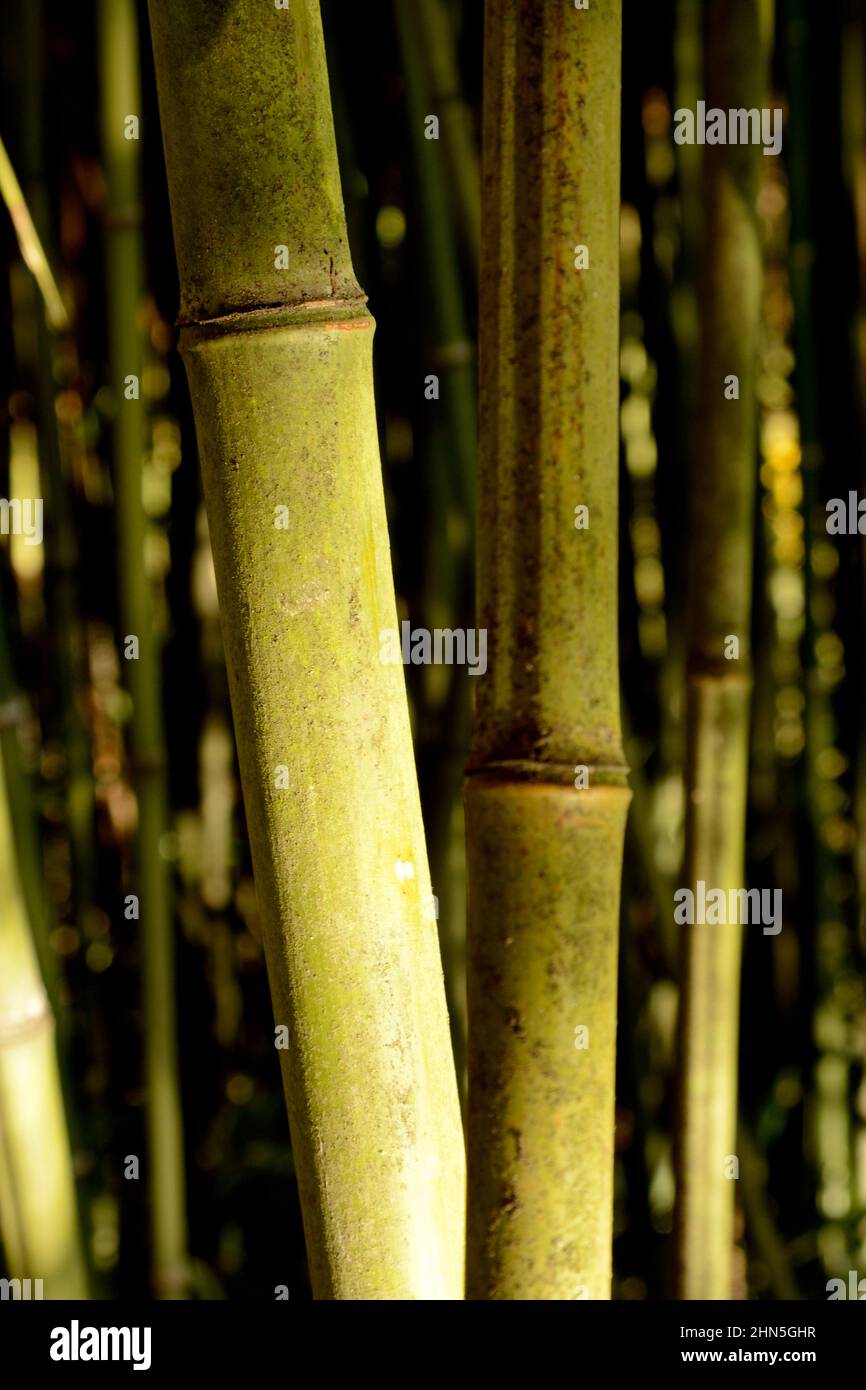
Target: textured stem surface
545, 857
279, 364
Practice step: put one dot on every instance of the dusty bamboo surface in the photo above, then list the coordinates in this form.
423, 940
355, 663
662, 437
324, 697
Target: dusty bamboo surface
721, 526
279, 364
545, 858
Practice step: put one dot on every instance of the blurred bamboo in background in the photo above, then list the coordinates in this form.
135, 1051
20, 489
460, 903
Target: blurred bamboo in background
427, 50
38, 1210
150, 881
721, 530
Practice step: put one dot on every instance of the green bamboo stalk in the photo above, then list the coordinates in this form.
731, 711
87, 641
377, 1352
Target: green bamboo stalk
454, 354
544, 858
62, 564
15, 710
38, 1211
436, 51
817, 404
30, 244
279, 364
761, 1221
721, 532
120, 99
452, 458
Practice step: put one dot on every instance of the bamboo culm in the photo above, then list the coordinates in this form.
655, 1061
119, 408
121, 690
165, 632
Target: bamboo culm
544, 840
276, 339
721, 530
38, 1209
166, 1173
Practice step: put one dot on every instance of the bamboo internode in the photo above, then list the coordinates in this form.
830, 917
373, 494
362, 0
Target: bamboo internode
277, 345
545, 856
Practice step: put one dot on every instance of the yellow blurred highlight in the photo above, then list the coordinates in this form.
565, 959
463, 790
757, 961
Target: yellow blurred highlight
28, 560
390, 226
240, 1089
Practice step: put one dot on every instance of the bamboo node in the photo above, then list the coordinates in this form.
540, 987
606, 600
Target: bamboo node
292, 314
557, 774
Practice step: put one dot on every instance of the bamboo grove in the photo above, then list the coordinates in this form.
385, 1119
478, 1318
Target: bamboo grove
432, 773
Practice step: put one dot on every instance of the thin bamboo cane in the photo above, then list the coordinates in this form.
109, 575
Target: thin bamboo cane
436, 51
721, 530
166, 1182
30, 244
15, 710
46, 358
820, 405
277, 345
453, 462
38, 1211
454, 350
544, 856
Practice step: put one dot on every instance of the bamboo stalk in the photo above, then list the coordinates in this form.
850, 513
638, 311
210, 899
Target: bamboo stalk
279, 364
436, 51
47, 367
120, 99
38, 1211
454, 354
30, 244
721, 535
452, 462
15, 710
821, 403
544, 858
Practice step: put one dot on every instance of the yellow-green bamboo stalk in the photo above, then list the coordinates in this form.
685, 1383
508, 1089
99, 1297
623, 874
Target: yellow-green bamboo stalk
38, 1211
720, 598
277, 343
544, 857
166, 1184
453, 462
45, 356
432, 24
30, 244
453, 353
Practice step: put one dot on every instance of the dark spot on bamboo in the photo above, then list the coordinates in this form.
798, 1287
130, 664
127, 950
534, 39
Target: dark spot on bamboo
513, 1021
